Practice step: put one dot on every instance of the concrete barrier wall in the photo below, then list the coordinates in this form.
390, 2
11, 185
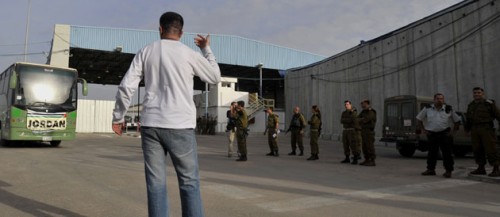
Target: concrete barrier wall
450, 52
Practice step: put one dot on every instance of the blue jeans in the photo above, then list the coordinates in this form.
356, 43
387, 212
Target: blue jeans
181, 145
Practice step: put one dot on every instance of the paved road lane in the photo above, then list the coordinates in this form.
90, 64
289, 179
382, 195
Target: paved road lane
102, 175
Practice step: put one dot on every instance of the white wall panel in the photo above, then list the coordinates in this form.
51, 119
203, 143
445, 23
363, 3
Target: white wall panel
94, 116
85, 118
103, 116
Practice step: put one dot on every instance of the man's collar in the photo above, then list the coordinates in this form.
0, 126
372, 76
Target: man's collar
442, 107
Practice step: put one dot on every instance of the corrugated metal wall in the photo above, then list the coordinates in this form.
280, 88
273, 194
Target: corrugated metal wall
228, 49
450, 52
94, 116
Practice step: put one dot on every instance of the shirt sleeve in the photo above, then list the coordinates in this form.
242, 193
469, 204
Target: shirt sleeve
206, 66
496, 112
422, 114
127, 88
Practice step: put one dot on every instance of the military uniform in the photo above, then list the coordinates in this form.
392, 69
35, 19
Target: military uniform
272, 134
241, 133
350, 135
367, 119
297, 126
315, 124
480, 116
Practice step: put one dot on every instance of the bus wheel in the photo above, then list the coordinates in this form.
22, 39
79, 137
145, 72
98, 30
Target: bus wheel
55, 143
406, 149
5, 143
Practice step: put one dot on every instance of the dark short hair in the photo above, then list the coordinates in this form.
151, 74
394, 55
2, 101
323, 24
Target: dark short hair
316, 109
367, 101
241, 103
438, 94
347, 101
171, 22
478, 88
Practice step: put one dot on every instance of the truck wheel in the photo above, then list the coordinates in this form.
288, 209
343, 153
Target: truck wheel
406, 149
459, 152
55, 143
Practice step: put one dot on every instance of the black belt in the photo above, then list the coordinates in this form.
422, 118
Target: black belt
447, 130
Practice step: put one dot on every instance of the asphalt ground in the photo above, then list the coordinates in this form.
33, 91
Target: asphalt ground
102, 175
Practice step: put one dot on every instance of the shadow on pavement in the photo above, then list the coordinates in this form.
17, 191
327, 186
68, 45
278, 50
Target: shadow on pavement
30, 206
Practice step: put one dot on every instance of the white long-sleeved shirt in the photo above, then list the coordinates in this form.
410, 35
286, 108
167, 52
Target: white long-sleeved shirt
168, 67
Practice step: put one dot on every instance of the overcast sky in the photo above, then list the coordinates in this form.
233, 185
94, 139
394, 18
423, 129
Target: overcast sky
324, 27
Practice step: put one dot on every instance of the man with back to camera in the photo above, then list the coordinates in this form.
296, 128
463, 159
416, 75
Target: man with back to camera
438, 117
480, 115
169, 114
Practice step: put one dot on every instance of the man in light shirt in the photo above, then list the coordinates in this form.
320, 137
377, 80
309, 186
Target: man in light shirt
168, 117
438, 119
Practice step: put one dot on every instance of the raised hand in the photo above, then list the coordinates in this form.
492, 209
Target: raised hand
202, 41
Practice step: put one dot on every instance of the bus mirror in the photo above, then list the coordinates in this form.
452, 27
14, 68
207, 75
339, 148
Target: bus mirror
13, 80
85, 88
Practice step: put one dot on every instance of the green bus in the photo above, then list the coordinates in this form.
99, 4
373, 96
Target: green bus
38, 103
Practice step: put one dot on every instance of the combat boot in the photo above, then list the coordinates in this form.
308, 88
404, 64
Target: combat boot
243, 157
355, 159
370, 163
495, 172
447, 174
270, 153
479, 171
292, 153
364, 162
346, 160
429, 173
301, 153
313, 157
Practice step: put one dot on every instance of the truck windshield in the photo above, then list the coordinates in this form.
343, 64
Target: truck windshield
46, 88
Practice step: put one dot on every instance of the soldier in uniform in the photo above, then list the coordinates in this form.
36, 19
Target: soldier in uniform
315, 124
297, 126
480, 116
367, 119
272, 131
241, 130
349, 134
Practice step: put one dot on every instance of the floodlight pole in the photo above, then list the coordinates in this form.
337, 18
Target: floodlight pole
27, 31
260, 79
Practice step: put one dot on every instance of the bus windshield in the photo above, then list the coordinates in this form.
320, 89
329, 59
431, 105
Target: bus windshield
46, 88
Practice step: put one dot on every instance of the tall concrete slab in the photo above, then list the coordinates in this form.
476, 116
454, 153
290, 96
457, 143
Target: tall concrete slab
450, 51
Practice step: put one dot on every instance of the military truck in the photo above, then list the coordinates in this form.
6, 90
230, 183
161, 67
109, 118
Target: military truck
400, 126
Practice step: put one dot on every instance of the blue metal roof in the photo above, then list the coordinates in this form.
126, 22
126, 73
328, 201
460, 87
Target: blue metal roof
228, 49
